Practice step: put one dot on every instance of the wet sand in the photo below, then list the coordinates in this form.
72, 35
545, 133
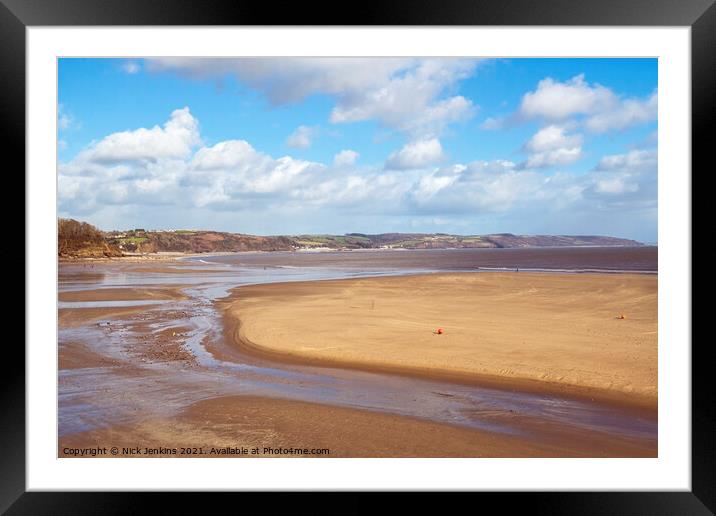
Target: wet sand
78, 355
76, 317
128, 258
122, 294
248, 422
69, 316
559, 332
171, 374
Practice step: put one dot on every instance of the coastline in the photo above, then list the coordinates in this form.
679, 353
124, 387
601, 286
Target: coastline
154, 375
249, 304
147, 257
171, 255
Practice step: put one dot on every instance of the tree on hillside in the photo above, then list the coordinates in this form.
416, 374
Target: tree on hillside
73, 235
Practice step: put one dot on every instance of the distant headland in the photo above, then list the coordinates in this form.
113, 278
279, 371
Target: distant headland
82, 240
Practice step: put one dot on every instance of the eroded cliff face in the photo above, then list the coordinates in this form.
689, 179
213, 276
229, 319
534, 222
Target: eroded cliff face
77, 239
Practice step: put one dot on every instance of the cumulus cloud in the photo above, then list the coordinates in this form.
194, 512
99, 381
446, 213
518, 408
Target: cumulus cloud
410, 95
232, 181
477, 187
620, 184
636, 159
556, 100
345, 158
625, 114
302, 137
552, 137
285, 80
230, 154
620, 174
417, 154
234, 170
601, 108
563, 156
551, 145
410, 101
175, 139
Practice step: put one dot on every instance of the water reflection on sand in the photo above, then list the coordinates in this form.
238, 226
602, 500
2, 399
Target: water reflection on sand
92, 397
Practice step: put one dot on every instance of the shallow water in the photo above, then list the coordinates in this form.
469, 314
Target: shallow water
100, 396
109, 304
575, 259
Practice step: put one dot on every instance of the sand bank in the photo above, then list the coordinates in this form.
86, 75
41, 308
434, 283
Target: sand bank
235, 422
122, 294
559, 332
78, 355
73, 317
126, 258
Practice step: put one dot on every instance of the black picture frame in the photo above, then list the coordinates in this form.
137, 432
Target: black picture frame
700, 15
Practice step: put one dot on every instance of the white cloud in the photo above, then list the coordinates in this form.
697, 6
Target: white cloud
615, 185
345, 158
500, 188
554, 157
417, 154
556, 100
478, 187
302, 137
552, 137
493, 123
407, 95
410, 101
637, 159
551, 145
604, 110
236, 169
627, 113
619, 175
131, 67
251, 191
64, 119
174, 140
286, 80
230, 154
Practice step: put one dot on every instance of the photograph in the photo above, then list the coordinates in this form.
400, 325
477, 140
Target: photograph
443, 249
339, 257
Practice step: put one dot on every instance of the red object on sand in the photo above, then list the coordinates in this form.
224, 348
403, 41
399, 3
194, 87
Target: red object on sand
439, 331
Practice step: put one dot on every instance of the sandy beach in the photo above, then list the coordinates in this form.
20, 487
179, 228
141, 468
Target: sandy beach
123, 294
559, 332
215, 354
73, 317
226, 424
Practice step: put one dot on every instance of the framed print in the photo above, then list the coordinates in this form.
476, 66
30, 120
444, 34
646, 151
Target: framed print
439, 249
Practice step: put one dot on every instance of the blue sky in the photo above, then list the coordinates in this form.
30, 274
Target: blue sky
287, 145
